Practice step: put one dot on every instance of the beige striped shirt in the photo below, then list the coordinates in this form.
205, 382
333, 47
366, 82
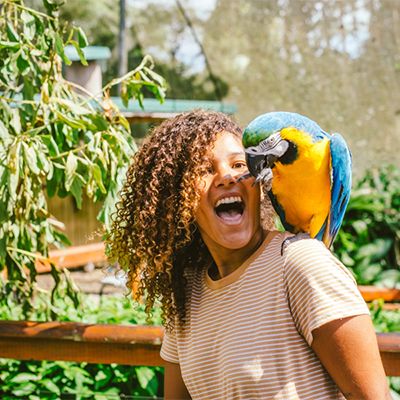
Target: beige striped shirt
248, 335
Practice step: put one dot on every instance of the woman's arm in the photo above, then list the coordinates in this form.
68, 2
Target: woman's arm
349, 351
174, 387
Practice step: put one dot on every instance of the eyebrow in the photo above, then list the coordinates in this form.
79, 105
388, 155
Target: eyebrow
231, 155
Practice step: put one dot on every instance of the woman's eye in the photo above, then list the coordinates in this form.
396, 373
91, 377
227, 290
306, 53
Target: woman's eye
240, 164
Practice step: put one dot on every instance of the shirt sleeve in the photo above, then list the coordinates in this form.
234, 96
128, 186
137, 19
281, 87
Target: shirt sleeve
169, 350
319, 288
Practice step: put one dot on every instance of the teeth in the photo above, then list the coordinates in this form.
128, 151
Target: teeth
228, 200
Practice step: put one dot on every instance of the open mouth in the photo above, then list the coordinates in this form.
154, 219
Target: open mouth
230, 209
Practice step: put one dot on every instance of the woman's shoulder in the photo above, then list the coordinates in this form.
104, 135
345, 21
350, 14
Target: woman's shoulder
311, 257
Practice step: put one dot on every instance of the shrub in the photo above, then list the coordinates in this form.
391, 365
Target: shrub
368, 242
48, 380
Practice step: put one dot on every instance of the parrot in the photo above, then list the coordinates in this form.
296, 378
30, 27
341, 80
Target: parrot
306, 172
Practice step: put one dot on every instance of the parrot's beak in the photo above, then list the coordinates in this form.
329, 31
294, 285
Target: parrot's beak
255, 162
265, 154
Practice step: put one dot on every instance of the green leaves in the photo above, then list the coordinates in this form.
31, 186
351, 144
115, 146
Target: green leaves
60, 49
70, 170
12, 35
29, 27
132, 83
369, 239
53, 141
147, 379
376, 250
31, 158
82, 39
97, 175
54, 379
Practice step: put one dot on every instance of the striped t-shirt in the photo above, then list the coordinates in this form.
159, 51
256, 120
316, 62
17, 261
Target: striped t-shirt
248, 334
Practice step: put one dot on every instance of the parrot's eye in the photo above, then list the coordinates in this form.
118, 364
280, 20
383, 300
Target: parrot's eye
271, 140
266, 144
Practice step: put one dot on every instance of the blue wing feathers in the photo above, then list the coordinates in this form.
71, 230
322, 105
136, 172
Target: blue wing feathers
340, 184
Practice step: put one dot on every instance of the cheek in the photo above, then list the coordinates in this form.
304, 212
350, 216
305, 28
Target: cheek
203, 204
255, 197
203, 187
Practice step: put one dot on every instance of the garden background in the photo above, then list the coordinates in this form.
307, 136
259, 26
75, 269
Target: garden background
63, 159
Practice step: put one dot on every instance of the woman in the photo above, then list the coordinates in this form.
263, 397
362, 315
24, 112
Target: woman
242, 321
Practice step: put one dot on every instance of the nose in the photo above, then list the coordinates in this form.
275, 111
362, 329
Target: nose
225, 176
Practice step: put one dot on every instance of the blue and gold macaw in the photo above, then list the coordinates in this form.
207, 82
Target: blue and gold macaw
308, 170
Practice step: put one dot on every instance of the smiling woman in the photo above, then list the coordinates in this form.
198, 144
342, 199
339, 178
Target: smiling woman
243, 320
155, 235
228, 214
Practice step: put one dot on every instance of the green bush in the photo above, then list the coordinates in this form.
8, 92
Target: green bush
387, 321
384, 320
368, 242
48, 380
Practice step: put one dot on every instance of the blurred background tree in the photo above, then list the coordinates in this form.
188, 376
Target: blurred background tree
337, 62
171, 25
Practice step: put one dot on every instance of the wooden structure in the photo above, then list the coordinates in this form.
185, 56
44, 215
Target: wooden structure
69, 341
74, 256
370, 293
126, 344
121, 344
90, 76
153, 111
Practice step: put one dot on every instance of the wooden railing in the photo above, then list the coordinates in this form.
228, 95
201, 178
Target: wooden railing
370, 293
121, 344
70, 341
73, 256
129, 345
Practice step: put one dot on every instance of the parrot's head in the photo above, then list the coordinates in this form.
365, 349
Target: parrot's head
264, 143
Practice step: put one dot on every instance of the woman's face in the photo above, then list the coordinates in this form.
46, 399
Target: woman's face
228, 214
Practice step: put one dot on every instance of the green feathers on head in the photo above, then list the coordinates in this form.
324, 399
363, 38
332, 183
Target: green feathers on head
252, 137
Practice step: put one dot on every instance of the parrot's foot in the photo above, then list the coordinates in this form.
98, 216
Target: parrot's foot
292, 239
265, 177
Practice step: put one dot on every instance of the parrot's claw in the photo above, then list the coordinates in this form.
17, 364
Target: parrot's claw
265, 177
292, 239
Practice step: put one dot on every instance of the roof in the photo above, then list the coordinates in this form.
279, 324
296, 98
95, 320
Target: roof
91, 53
152, 109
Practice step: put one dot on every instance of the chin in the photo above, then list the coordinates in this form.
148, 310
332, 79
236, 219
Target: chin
236, 240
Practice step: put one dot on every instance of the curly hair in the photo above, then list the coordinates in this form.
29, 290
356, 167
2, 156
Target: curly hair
153, 234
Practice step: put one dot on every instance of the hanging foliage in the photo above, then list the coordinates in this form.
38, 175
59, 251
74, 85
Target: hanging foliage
55, 140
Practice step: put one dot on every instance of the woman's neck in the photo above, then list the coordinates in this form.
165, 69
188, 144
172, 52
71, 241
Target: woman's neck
228, 260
